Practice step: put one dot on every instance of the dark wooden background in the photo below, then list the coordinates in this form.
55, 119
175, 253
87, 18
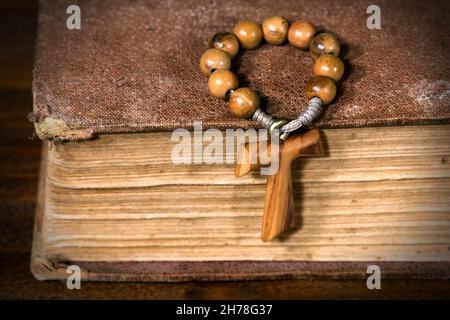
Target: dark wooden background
19, 161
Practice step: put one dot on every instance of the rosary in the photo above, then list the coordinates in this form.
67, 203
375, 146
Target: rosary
244, 103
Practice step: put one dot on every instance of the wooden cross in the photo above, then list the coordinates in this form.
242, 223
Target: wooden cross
279, 211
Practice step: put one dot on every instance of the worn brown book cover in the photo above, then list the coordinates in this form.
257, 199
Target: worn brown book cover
134, 65
107, 97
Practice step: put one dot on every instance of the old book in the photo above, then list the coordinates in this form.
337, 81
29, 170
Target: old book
113, 202
121, 210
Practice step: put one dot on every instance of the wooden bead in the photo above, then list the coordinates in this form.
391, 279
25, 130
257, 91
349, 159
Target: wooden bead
249, 34
329, 65
322, 87
220, 82
243, 102
324, 43
214, 59
300, 34
225, 41
275, 30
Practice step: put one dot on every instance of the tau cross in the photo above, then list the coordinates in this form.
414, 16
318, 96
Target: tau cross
279, 211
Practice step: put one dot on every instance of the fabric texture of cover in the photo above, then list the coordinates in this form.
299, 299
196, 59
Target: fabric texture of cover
134, 65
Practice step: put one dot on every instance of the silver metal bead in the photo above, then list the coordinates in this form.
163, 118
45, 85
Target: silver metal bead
277, 124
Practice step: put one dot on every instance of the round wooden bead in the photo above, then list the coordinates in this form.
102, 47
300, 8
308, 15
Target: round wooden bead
220, 82
225, 41
300, 34
329, 65
275, 30
243, 102
249, 34
214, 59
322, 87
324, 43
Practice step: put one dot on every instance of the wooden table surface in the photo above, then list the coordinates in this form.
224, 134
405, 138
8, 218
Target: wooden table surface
19, 162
